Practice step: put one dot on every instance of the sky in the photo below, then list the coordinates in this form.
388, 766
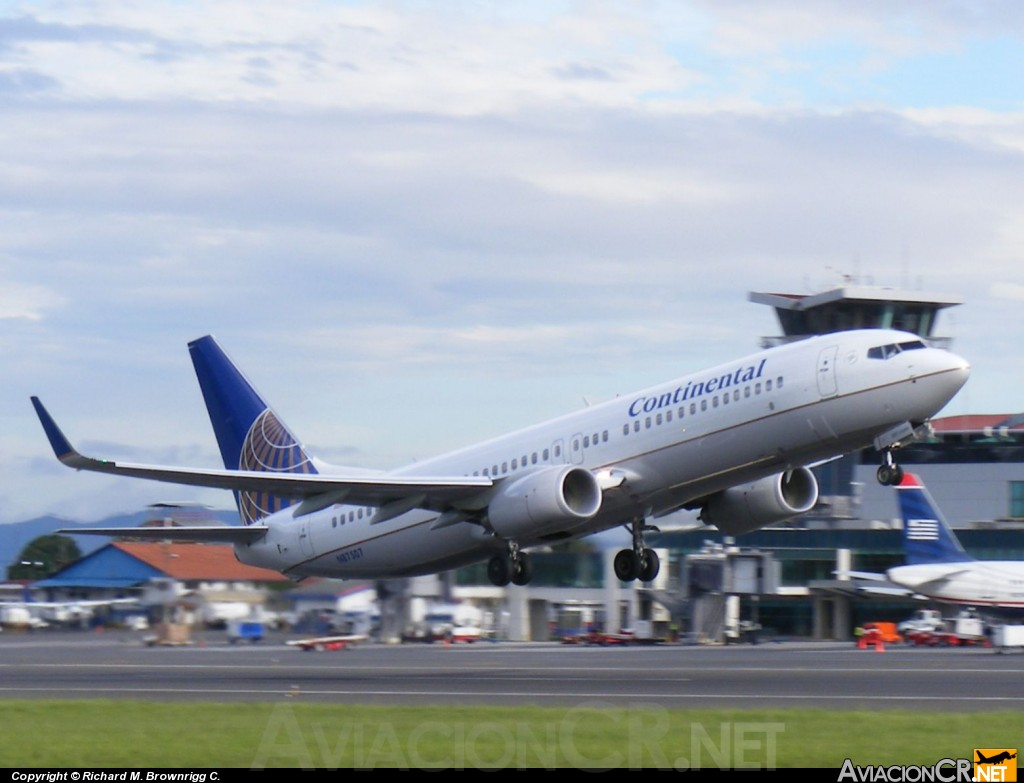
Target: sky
415, 225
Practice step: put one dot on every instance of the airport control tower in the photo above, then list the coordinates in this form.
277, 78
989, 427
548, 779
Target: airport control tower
852, 306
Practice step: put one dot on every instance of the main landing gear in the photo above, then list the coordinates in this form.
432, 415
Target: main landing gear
512, 566
889, 473
639, 562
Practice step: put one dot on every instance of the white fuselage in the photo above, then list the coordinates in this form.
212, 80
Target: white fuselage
979, 583
660, 449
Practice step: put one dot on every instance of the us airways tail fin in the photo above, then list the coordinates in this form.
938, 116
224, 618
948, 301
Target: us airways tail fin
250, 435
927, 537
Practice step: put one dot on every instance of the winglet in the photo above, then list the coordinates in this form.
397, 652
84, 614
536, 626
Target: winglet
61, 445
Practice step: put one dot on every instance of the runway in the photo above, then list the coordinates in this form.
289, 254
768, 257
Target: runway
774, 675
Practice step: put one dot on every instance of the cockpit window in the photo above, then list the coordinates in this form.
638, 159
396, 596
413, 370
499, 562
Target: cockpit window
890, 350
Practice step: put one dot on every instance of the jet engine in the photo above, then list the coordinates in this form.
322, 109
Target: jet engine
548, 500
751, 506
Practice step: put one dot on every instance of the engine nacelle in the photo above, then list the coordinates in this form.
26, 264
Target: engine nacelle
548, 500
751, 506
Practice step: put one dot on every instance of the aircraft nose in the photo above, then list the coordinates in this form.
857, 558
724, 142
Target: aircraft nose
961, 368
955, 371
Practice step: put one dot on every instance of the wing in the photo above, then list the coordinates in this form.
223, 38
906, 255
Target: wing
871, 583
317, 490
73, 604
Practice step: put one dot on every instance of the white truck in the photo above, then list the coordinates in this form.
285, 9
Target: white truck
928, 628
922, 620
1007, 637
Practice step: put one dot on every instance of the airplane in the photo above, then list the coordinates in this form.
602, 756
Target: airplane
996, 759
937, 567
39, 614
733, 441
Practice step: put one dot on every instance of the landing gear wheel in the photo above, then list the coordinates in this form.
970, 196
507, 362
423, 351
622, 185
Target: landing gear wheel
627, 565
499, 570
890, 475
522, 571
650, 565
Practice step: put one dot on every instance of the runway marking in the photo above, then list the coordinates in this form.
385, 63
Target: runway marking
276, 665
634, 698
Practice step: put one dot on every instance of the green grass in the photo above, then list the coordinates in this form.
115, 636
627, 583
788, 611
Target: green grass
108, 733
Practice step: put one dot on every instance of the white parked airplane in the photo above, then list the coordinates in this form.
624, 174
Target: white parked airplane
39, 614
732, 441
937, 566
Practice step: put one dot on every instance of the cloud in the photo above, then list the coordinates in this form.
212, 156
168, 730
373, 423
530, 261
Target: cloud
28, 302
1013, 292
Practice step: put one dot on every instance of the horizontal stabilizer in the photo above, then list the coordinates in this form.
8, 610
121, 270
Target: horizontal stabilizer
866, 575
874, 589
230, 534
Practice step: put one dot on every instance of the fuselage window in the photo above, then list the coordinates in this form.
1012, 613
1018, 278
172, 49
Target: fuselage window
558, 452
647, 422
586, 441
515, 464
668, 415
778, 382
682, 411
604, 436
757, 388
746, 391
735, 395
693, 408
546, 454
494, 470
533, 458
625, 428
703, 405
657, 419
595, 439
725, 398
636, 426
768, 385
714, 401
359, 513
504, 468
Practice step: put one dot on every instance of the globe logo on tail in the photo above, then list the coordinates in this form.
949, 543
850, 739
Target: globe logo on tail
269, 448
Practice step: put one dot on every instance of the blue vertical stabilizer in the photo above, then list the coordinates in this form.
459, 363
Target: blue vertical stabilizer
249, 433
927, 537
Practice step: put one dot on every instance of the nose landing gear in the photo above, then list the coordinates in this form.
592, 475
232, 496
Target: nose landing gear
889, 473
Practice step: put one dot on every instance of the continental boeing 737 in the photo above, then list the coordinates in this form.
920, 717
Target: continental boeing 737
733, 441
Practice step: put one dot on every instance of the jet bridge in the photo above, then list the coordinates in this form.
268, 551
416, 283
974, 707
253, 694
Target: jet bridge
716, 580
